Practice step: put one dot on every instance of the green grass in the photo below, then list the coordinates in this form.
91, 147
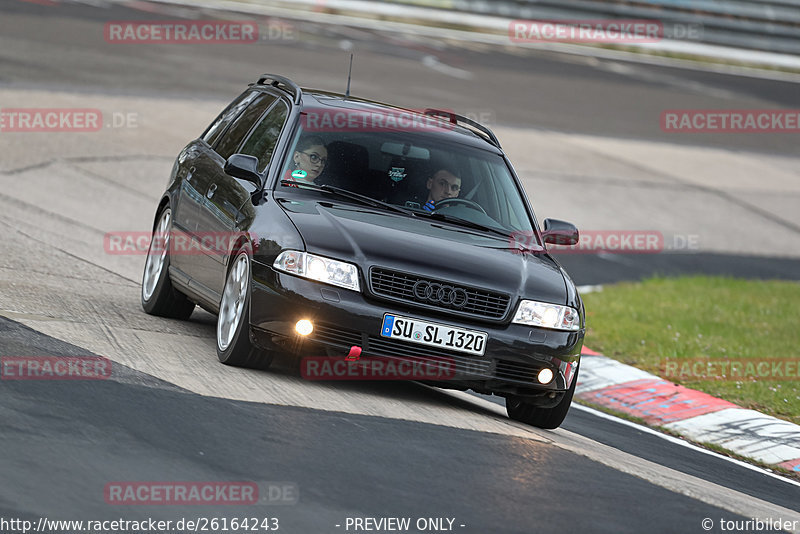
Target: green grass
689, 318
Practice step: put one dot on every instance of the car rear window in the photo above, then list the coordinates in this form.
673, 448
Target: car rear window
225, 118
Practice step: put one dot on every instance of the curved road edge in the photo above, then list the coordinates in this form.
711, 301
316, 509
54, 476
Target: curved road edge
692, 414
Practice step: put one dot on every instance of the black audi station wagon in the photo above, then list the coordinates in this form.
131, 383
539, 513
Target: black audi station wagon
359, 229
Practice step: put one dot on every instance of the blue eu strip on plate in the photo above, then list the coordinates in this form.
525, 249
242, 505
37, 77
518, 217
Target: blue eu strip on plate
388, 322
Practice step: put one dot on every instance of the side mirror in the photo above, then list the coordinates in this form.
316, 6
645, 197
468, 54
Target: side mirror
244, 167
559, 232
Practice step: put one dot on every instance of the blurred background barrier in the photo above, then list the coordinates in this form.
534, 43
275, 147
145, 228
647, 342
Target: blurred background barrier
772, 26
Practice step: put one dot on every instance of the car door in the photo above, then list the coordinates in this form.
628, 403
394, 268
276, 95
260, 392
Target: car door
227, 203
194, 173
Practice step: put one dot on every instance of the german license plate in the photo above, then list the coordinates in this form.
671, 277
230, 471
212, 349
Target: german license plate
434, 334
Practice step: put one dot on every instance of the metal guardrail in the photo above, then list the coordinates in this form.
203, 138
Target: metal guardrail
770, 25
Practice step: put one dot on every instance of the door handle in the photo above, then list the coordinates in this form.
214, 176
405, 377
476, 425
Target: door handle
211, 190
191, 173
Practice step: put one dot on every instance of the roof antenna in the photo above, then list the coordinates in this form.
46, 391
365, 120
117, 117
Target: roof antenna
349, 73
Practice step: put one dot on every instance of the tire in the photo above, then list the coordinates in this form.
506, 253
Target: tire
548, 418
158, 295
234, 346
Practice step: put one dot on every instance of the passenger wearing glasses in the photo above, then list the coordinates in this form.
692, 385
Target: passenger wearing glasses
309, 160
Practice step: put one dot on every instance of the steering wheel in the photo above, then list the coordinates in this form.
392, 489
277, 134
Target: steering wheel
462, 201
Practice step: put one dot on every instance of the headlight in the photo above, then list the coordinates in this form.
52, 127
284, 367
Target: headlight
547, 315
319, 268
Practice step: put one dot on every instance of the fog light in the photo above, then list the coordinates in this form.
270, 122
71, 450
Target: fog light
545, 376
304, 327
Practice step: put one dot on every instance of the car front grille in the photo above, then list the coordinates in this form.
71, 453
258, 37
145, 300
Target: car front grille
390, 348
469, 301
336, 336
464, 364
517, 371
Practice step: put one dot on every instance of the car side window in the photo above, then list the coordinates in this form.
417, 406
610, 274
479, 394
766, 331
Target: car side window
226, 117
264, 136
231, 139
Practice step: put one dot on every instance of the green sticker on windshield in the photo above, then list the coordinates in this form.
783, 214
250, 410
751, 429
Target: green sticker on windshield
299, 173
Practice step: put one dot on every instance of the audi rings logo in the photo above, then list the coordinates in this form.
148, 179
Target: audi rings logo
435, 293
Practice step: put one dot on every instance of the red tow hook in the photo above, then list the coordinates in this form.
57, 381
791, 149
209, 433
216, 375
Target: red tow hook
354, 355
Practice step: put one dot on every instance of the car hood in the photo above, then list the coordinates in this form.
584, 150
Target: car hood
426, 247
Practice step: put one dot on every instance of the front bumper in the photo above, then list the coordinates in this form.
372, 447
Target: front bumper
342, 318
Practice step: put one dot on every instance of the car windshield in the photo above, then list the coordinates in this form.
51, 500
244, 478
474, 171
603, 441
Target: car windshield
427, 174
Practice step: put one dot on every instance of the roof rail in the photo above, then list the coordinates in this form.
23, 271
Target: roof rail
454, 118
284, 83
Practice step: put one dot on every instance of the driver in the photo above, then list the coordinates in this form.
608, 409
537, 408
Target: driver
443, 184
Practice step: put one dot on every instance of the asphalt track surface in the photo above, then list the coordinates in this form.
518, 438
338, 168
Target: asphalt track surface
62, 442
516, 87
77, 437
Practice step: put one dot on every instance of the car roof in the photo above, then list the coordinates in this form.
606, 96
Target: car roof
315, 99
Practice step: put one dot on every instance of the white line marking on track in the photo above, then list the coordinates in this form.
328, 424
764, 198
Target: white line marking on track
433, 62
583, 290
673, 439
666, 477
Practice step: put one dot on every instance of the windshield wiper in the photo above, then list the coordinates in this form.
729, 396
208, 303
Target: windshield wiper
351, 195
369, 201
465, 222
